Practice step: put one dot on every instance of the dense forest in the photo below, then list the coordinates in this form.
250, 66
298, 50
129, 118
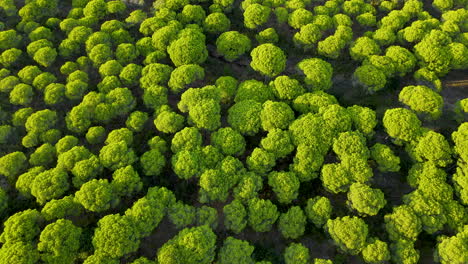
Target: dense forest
233, 132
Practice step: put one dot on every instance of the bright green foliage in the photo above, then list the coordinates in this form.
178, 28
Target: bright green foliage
244, 117
362, 48
194, 245
351, 144
109, 68
370, 77
192, 14
318, 210
188, 138
227, 86
348, 233
50, 184
186, 163
256, 15
299, 18
433, 147
318, 73
422, 100
261, 161
207, 216
402, 124
155, 74
59, 242
276, 115
115, 236
268, 35
460, 138
184, 76
28, 73
99, 259
376, 252
182, 215
9, 39
459, 53
65, 207
366, 200
235, 251
403, 251
130, 74
19, 252
121, 134
278, 142
268, 60
22, 94
229, 141
96, 135
296, 253
285, 185
8, 83
24, 181
308, 35
96, 195
145, 214
403, 224
262, 214
235, 216
312, 102
213, 186
286, 88
85, 170
253, 90
403, 59
169, 122
336, 177
322, 261
116, 155
367, 19
385, 158
45, 56
12, 164
216, 23
126, 181
189, 49
21, 227
68, 159
453, 249
364, 119
152, 162
43, 80
155, 96
292, 223
206, 114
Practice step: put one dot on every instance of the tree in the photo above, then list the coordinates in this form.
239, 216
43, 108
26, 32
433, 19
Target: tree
96, 195
130, 74
216, 23
22, 94
190, 49
68, 159
227, 86
403, 59
155, 74
292, 223
61, 208
229, 141
146, 214
276, 115
49, 184
348, 233
182, 215
9, 39
169, 122
370, 77
268, 35
115, 236
262, 214
213, 186
45, 56
253, 90
376, 252
351, 143
235, 216
12, 164
299, 18
256, 15
59, 241
422, 100
184, 76
188, 138
403, 251
116, 155
244, 117
403, 224
385, 158
206, 114
126, 181
261, 161
402, 124
193, 245
362, 48
318, 73
433, 147
235, 251
278, 142
459, 137
126, 53
19, 252
366, 200
286, 88
318, 210
285, 185
268, 59
308, 35
296, 253
453, 249
100, 53
312, 102
21, 227
152, 162
29, 73
43, 80
96, 135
